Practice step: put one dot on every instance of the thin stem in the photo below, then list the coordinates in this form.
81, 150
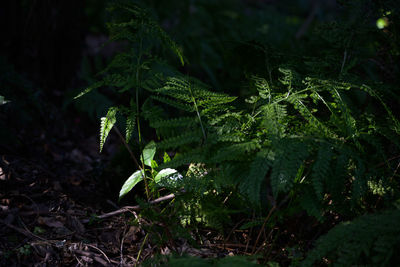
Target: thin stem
343, 62
141, 248
262, 227
197, 111
128, 148
139, 58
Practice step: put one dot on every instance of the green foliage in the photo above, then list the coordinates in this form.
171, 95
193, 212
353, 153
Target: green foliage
106, 125
233, 261
370, 239
147, 159
314, 129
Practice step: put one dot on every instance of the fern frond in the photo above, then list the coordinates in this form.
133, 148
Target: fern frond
229, 137
311, 203
251, 185
89, 89
290, 156
314, 124
375, 237
321, 168
274, 119
180, 140
143, 21
359, 185
235, 151
263, 87
336, 186
182, 122
396, 122
195, 155
106, 124
130, 125
173, 103
193, 92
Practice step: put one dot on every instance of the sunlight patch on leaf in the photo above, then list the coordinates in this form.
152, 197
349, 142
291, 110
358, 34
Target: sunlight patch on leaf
135, 178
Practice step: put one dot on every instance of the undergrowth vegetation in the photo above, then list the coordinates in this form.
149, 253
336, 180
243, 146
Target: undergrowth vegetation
251, 125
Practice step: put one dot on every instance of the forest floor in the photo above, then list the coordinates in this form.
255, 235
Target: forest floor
53, 190
50, 195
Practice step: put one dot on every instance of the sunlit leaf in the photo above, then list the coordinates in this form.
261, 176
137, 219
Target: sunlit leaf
135, 178
148, 153
106, 125
166, 172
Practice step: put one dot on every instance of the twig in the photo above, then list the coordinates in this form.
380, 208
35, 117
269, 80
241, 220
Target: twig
383, 163
95, 256
258, 250
102, 252
129, 208
262, 227
250, 233
122, 248
266, 219
233, 229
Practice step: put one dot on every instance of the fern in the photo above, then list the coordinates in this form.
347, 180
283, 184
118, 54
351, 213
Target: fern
290, 156
106, 124
180, 140
371, 238
321, 168
234, 151
130, 125
181, 93
259, 168
140, 20
307, 130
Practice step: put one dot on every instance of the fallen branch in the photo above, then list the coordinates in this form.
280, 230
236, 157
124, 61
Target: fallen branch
130, 208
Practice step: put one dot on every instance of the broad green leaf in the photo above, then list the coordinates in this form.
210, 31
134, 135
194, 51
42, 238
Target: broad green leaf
163, 173
148, 153
106, 124
135, 178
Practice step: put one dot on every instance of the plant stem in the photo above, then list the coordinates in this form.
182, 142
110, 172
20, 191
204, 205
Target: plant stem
139, 58
197, 111
141, 248
127, 147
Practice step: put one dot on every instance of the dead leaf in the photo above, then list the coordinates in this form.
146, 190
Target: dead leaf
76, 225
50, 222
131, 235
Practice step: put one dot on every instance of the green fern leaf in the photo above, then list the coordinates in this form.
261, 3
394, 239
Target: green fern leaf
173, 103
251, 185
291, 154
183, 139
321, 168
373, 237
106, 124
